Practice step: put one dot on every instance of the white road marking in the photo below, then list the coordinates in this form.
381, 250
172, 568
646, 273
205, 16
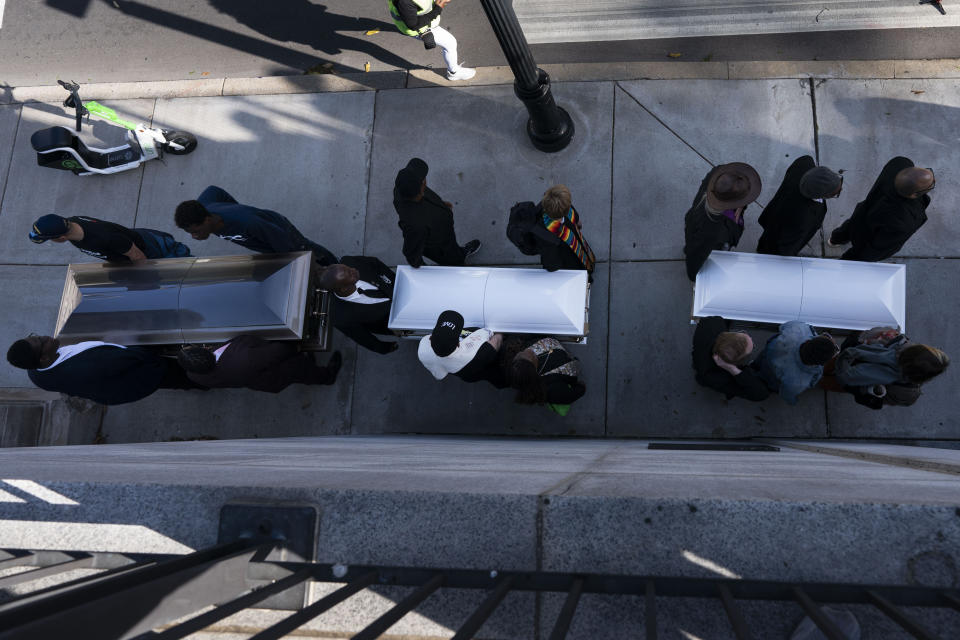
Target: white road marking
39, 491
2, 2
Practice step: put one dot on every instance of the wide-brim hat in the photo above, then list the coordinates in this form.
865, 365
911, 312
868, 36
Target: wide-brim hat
732, 186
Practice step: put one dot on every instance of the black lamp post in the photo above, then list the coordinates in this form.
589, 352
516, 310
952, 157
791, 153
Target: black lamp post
550, 128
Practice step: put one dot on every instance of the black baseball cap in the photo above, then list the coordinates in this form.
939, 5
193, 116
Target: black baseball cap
446, 335
49, 227
418, 167
411, 177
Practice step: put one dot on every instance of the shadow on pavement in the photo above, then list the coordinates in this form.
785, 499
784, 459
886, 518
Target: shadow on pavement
311, 24
316, 28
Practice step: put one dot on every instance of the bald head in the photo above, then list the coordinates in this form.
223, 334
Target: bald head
340, 279
913, 182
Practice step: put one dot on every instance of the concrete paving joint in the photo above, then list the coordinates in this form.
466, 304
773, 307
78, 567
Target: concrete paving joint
418, 78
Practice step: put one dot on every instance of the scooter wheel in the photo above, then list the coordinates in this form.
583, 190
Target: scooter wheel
186, 140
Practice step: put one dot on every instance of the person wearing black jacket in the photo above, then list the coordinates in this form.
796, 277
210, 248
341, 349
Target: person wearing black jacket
420, 19
99, 371
362, 288
426, 220
254, 363
714, 221
797, 210
717, 356
553, 230
893, 210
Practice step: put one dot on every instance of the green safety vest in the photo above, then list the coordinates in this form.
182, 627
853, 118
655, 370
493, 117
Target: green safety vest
426, 6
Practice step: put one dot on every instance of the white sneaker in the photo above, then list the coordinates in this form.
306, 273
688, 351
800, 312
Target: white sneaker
463, 73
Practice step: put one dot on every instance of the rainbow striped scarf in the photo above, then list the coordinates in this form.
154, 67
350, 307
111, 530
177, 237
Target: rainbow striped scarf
568, 230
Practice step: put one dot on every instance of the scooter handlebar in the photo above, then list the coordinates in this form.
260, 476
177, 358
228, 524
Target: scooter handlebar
74, 100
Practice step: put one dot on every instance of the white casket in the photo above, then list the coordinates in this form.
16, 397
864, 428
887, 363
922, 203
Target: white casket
506, 300
835, 294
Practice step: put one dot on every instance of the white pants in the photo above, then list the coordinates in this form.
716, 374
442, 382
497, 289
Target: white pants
448, 45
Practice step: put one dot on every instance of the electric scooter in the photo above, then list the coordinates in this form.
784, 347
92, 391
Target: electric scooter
60, 148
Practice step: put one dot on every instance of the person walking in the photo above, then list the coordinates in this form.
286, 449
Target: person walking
100, 371
552, 230
363, 288
216, 212
881, 367
797, 210
426, 220
715, 220
254, 363
107, 240
719, 357
793, 360
469, 355
420, 19
893, 210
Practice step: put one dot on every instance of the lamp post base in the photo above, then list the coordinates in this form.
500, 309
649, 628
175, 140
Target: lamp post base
550, 127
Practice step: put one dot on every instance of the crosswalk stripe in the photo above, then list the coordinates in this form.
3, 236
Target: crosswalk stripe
576, 21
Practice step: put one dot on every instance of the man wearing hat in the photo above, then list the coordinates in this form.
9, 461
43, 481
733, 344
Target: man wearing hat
793, 360
796, 212
715, 221
362, 288
893, 210
471, 356
426, 220
107, 240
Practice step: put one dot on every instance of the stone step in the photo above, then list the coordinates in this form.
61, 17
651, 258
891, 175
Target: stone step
37, 418
546, 21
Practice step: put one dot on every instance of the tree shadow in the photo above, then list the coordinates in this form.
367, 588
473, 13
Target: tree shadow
303, 22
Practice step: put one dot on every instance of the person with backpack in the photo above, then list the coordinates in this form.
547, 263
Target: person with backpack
551, 229
420, 19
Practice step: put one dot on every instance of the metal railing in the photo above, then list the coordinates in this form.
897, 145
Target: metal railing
140, 595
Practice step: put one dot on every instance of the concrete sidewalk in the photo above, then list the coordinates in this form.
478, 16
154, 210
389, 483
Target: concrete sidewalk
327, 161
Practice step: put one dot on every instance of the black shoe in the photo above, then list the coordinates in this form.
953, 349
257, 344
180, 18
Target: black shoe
471, 248
835, 242
334, 364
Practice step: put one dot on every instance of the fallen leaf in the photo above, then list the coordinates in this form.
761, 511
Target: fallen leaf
205, 73
916, 92
674, 55
372, 32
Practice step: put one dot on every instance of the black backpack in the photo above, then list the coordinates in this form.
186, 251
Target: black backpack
523, 216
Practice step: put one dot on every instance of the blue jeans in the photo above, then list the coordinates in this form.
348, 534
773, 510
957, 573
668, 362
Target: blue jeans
160, 244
